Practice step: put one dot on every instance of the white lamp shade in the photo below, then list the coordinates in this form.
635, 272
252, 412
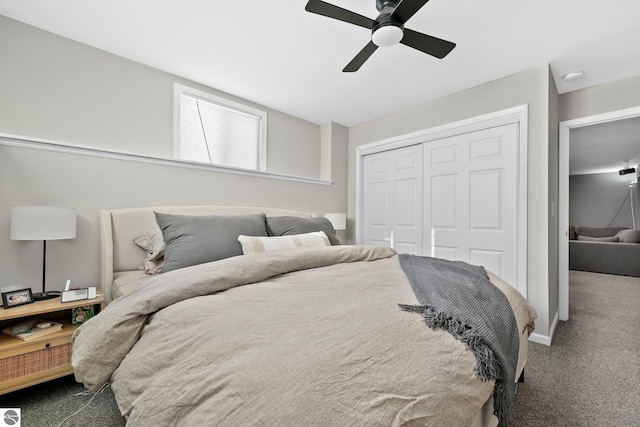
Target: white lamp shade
338, 220
43, 223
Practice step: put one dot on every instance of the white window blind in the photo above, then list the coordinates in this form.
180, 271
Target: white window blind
212, 130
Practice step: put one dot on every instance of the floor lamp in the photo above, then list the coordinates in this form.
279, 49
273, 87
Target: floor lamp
632, 186
43, 223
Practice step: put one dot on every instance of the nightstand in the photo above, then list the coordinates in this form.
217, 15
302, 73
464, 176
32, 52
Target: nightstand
25, 363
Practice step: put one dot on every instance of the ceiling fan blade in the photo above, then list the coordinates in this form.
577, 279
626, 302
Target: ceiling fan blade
360, 58
325, 9
407, 8
428, 44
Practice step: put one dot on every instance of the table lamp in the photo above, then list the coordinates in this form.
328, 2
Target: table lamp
338, 220
43, 223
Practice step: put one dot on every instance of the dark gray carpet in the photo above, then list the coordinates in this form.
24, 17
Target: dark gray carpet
48, 404
588, 377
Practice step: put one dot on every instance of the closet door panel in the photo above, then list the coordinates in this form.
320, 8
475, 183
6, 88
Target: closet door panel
470, 201
393, 199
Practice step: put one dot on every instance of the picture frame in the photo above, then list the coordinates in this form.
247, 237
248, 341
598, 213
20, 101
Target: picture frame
16, 298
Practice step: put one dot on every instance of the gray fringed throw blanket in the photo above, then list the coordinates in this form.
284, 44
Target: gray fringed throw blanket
459, 298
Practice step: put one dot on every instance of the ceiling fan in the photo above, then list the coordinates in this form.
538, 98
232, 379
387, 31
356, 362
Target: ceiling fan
386, 30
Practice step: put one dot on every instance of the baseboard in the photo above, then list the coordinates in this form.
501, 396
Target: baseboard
544, 339
540, 339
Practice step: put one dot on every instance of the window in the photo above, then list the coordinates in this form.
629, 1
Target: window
215, 130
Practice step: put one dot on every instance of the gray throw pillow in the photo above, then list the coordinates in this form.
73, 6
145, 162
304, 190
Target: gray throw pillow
572, 233
288, 225
196, 239
629, 236
598, 239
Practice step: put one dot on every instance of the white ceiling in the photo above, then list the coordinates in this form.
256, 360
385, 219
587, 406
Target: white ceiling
278, 55
605, 147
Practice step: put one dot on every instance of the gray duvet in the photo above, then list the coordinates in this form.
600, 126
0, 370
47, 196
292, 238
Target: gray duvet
299, 337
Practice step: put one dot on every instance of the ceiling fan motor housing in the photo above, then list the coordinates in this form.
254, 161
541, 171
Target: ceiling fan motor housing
387, 30
386, 4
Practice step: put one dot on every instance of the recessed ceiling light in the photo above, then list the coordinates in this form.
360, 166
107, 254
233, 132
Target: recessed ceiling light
572, 76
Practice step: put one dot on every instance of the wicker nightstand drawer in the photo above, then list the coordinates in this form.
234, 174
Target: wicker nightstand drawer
23, 365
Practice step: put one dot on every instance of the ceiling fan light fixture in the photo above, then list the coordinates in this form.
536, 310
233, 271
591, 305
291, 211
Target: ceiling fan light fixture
387, 35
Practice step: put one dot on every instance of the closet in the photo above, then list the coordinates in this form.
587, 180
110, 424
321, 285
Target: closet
454, 198
392, 214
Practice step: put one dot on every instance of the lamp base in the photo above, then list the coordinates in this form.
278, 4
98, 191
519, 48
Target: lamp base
41, 296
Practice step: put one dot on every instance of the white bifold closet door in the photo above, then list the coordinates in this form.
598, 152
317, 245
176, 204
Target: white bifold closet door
470, 194
453, 198
392, 214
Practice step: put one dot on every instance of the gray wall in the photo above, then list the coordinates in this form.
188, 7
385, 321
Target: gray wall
604, 98
554, 107
56, 89
594, 200
530, 87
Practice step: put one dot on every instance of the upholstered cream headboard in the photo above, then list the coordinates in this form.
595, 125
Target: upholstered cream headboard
119, 227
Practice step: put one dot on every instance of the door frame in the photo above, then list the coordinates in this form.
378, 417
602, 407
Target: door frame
517, 115
565, 128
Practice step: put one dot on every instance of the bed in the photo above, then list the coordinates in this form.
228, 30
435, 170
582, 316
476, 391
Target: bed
311, 335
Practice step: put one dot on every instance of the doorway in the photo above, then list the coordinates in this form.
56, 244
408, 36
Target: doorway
563, 194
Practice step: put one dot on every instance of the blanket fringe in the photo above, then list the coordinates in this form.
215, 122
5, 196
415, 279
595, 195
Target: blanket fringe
487, 367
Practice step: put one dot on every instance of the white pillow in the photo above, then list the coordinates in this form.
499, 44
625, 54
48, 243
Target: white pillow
253, 244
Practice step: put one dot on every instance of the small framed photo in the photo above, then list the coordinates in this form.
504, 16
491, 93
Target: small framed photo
15, 298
